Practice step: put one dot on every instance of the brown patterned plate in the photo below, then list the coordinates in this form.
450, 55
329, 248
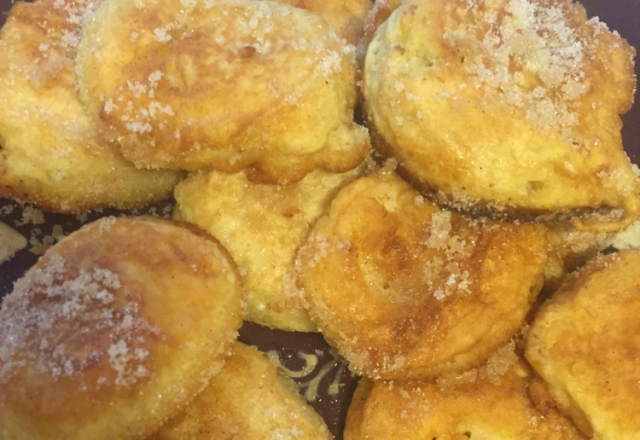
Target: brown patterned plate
323, 377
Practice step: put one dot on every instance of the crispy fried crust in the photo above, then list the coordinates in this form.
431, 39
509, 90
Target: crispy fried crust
114, 330
226, 85
481, 408
262, 226
248, 400
403, 289
585, 342
51, 152
477, 122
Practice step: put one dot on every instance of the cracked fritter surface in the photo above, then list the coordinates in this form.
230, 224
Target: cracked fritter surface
248, 400
478, 408
403, 288
51, 152
223, 85
504, 107
585, 342
115, 329
262, 226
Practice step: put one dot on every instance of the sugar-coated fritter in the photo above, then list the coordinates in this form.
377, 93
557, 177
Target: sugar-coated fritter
225, 84
248, 400
403, 288
585, 342
114, 330
51, 152
504, 107
478, 408
262, 226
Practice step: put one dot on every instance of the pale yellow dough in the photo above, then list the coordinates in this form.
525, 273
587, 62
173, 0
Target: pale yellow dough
262, 226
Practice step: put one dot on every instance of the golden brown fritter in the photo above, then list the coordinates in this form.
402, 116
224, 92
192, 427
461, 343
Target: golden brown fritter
585, 342
114, 330
403, 289
51, 152
248, 400
262, 226
480, 409
226, 84
504, 107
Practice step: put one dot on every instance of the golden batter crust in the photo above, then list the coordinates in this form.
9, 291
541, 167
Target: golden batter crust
584, 343
507, 107
227, 85
114, 330
403, 289
248, 400
51, 152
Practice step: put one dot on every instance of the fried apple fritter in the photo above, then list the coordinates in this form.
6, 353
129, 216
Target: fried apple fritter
480, 409
585, 343
223, 85
51, 152
248, 400
508, 108
114, 330
262, 226
402, 288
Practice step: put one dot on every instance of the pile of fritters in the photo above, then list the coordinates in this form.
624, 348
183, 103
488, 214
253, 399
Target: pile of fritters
501, 116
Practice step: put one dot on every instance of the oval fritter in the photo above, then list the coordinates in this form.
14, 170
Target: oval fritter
480, 408
585, 343
115, 329
225, 84
51, 152
262, 226
403, 288
248, 400
504, 107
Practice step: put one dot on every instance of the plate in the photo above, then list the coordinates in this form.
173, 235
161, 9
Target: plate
322, 375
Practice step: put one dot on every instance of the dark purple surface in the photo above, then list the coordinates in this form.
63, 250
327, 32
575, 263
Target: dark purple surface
622, 15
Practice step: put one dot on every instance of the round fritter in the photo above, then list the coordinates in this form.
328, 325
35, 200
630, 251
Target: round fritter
504, 107
585, 342
248, 400
402, 288
225, 84
262, 226
51, 152
114, 330
478, 409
